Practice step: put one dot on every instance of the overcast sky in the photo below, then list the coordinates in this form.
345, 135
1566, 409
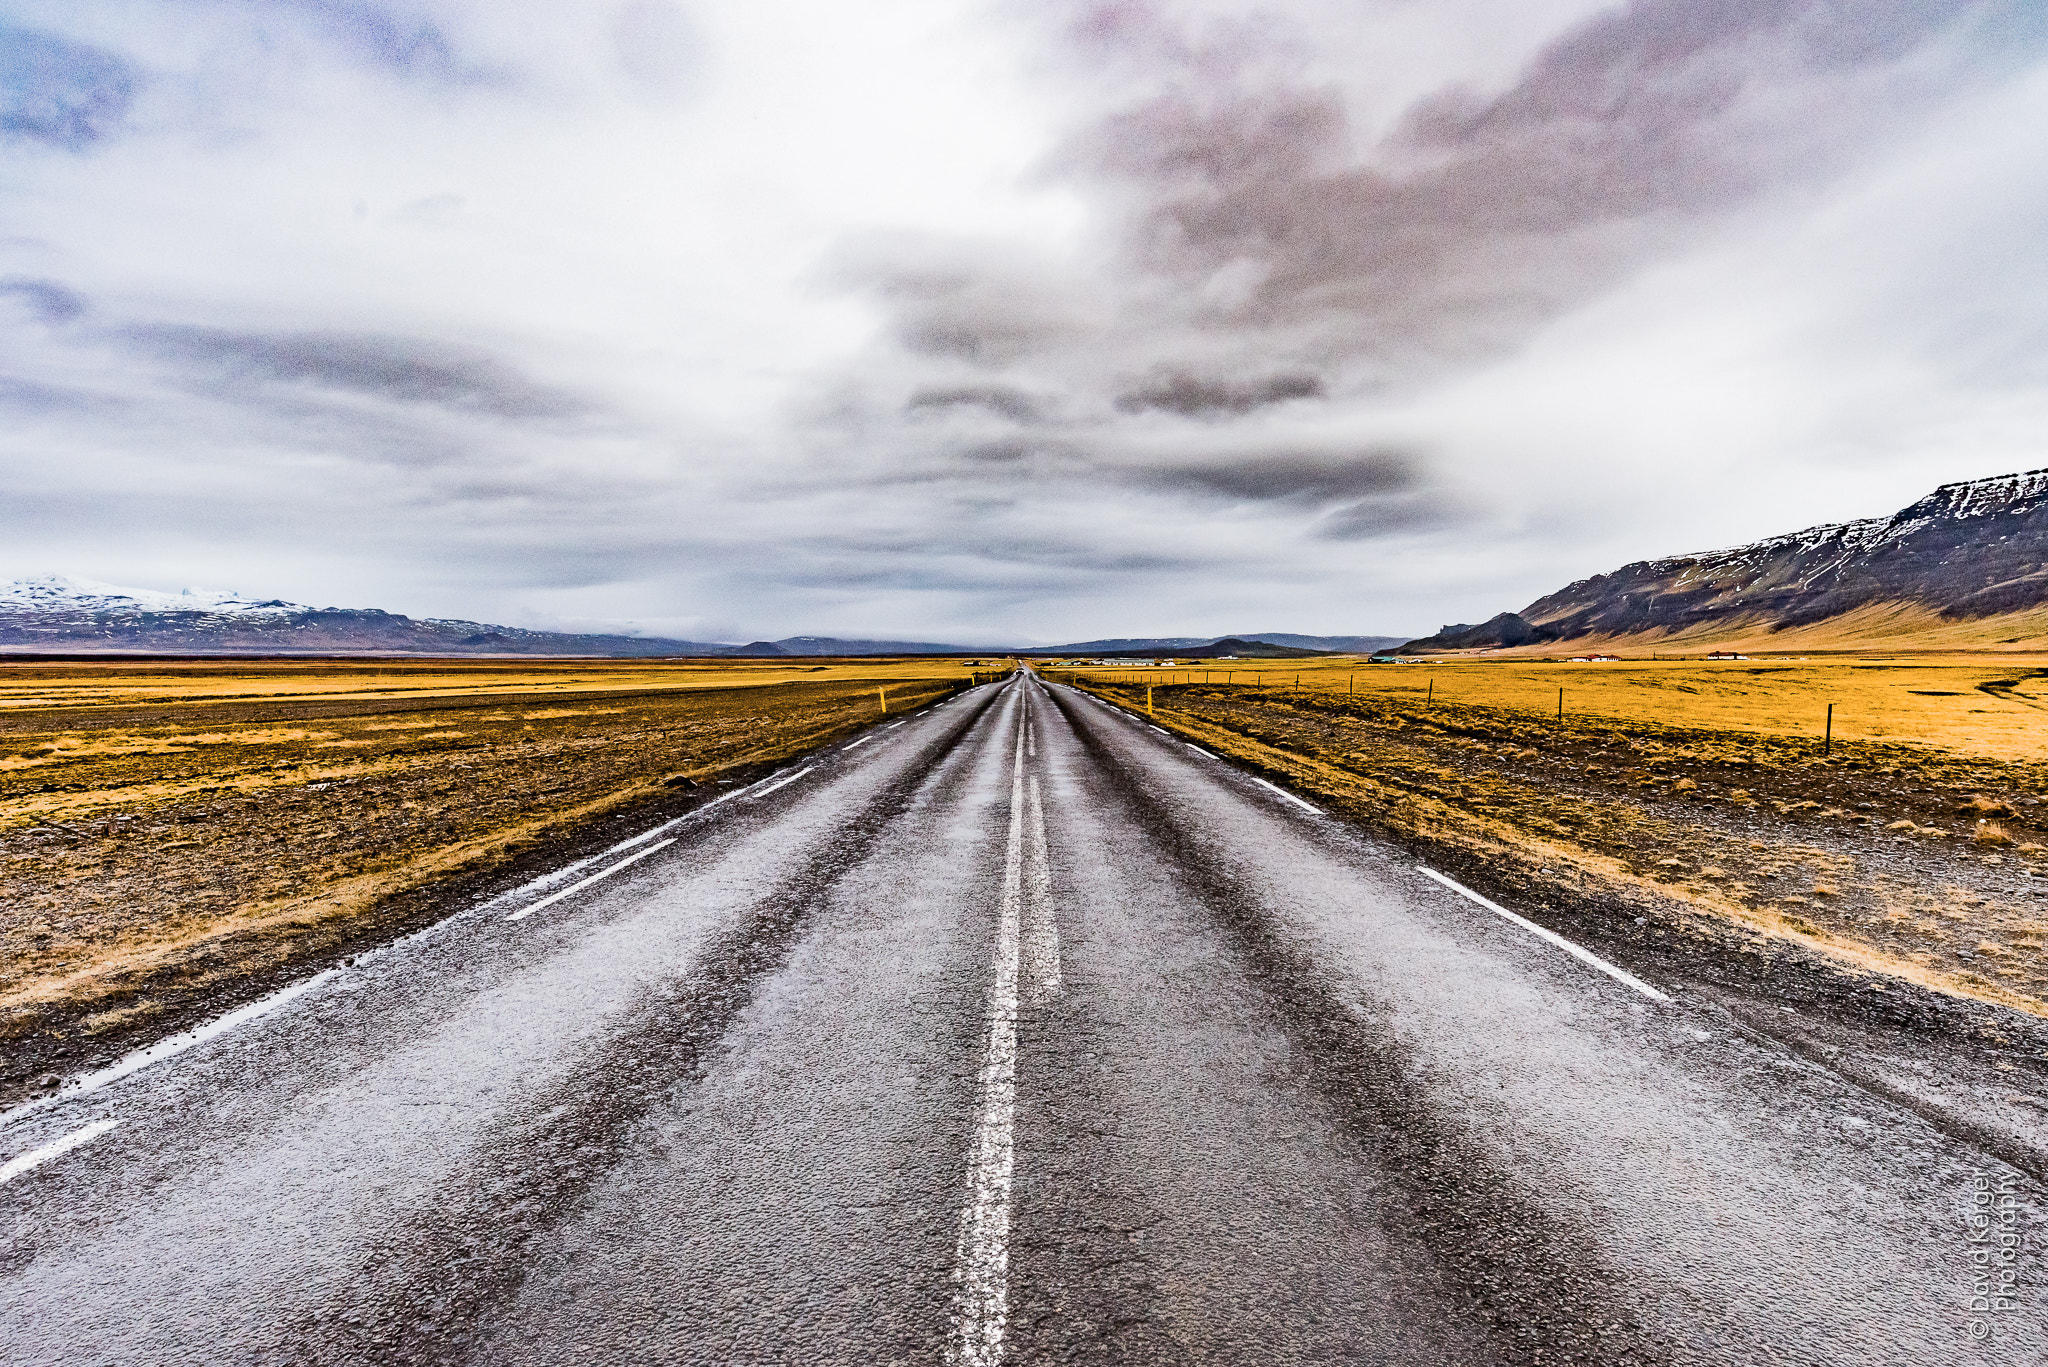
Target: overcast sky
999, 321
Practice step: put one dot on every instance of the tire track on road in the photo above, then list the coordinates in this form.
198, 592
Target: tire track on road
429, 1286
1539, 1284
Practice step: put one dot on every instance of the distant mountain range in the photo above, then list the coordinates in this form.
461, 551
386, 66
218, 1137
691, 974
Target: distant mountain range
52, 614
835, 645
1965, 566
55, 614
1241, 643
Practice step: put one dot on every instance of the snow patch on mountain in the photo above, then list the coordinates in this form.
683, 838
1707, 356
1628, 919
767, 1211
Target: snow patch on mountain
1970, 550
57, 593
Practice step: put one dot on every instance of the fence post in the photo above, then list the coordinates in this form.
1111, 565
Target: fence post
1560, 707
1827, 745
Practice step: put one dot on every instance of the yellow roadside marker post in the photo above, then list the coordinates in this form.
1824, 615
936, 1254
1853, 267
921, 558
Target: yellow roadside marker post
1148, 700
884, 697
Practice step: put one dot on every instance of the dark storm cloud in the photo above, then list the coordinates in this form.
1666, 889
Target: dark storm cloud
1003, 400
1194, 397
61, 93
984, 559
396, 369
1250, 225
968, 301
1481, 218
1297, 477
1376, 517
46, 300
1007, 452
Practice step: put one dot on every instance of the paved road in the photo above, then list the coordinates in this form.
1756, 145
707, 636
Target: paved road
1015, 1031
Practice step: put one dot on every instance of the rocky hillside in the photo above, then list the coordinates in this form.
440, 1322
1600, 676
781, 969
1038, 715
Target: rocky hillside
1968, 552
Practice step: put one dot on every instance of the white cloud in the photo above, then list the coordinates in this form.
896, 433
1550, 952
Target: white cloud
926, 319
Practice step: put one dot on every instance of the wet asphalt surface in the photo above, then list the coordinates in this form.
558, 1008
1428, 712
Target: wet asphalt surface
1014, 1031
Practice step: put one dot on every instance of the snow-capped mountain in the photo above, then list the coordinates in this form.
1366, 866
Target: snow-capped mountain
55, 593
1973, 549
56, 614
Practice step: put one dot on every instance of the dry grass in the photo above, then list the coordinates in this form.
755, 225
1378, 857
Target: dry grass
1918, 859
1968, 705
167, 828
41, 685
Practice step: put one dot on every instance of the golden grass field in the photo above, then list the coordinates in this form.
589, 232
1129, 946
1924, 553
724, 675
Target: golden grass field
70, 683
1916, 848
171, 829
1969, 704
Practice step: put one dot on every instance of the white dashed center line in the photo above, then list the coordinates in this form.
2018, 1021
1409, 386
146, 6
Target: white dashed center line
981, 1260
1041, 930
1284, 793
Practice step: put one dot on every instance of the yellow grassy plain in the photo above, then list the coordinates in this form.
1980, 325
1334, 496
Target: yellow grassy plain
1986, 706
71, 683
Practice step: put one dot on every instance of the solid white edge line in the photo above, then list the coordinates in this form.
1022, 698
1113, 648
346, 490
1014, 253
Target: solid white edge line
1284, 793
638, 839
546, 880
168, 1048
1620, 975
35, 1158
666, 825
550, 900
